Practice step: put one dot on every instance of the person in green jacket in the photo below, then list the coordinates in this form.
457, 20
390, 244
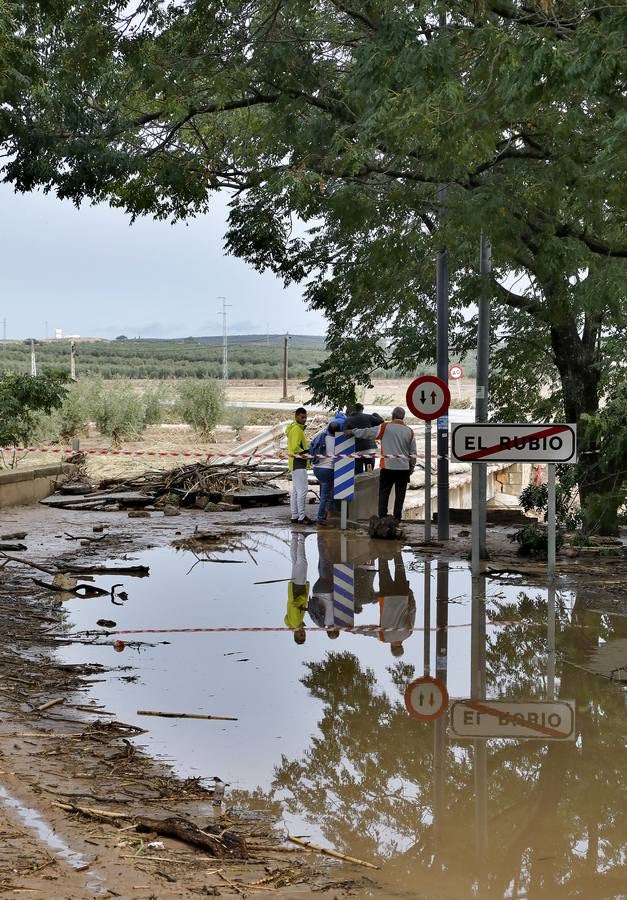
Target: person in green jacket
297, 443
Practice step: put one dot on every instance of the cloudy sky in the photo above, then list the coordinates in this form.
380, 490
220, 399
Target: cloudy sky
89, 272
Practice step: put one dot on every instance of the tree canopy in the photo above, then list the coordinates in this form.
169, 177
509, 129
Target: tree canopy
335, 124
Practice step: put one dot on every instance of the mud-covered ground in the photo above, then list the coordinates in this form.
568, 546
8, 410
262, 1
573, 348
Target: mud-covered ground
71, 781
77, 797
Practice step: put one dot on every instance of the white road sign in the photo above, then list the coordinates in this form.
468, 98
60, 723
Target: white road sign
428, 397
455, 372
426, 698
551, 721
515, 442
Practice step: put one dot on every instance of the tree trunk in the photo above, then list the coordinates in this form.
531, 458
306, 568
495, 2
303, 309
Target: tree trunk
577, 363
576, 358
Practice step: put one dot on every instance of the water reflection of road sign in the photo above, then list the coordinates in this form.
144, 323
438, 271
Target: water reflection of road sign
426, 698
343, 595
515, 442
553, 721
428, 397
344, 469
455, 372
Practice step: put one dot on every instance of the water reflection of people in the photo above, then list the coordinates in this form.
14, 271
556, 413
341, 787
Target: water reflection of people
321, 603
297, 588
397, 606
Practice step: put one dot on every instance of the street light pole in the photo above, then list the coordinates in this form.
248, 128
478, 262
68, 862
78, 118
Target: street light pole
225, 344
286, 344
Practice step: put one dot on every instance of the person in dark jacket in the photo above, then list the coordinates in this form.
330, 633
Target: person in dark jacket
357, 418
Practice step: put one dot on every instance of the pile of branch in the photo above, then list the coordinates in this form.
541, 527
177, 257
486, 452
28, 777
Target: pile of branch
185, 484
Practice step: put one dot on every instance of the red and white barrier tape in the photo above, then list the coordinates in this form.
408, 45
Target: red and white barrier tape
197, 454
355, 629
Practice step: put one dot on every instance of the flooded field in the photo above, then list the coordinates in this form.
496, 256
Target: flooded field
324, 736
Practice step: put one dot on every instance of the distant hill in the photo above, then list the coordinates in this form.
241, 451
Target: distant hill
297, 341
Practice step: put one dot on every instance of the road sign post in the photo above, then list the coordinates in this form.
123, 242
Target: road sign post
428, 398
550, 442
344, 474
428, 481
551, 522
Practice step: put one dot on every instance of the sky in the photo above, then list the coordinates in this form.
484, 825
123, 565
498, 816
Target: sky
89, 272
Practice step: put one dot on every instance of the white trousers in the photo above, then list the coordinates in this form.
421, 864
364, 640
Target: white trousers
299, 559
300, 486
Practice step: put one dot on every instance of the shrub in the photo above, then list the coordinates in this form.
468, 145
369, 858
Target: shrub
201, 405
533, 540
238, 418
153, 409
119, 413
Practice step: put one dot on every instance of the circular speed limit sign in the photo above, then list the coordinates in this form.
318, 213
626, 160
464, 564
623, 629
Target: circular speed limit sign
455, 372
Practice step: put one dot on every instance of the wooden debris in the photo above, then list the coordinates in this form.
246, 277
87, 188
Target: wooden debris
8, 545
135, 571
81, 590
48, 705
171, 715
28, 562
334, 853
202, 483
215, 839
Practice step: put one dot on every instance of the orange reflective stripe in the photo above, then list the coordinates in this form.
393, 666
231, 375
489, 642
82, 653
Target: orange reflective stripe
380, 438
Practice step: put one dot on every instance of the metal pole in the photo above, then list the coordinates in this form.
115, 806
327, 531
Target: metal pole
73, 360
33, 359
427, 619
343, 514
441, 282
286, 340
550, 644
442, 372
428, 482
551, 522
440, 725
477, 692
475, 551
225, 342
482, 381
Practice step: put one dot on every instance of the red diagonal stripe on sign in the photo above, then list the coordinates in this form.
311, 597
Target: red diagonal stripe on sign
491, 711
495, 448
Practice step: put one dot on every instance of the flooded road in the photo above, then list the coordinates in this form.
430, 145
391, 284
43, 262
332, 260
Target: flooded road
323, 734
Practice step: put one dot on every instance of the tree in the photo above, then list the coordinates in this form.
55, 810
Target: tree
350, 116
201, 405
23, 399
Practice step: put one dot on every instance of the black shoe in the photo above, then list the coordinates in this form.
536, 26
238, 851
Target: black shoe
305, 521
293, 520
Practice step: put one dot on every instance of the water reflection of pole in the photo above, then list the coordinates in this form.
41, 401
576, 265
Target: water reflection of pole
427, 619
477, 692
550, 643
440, 739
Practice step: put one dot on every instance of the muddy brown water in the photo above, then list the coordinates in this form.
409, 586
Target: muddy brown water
324, 738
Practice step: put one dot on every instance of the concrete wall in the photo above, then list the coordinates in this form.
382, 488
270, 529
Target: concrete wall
21, 487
